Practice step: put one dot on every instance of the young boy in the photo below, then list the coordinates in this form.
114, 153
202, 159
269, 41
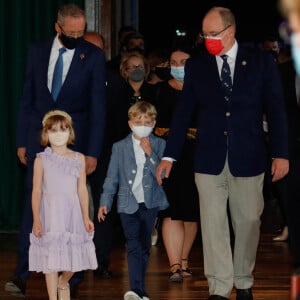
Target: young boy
131, 171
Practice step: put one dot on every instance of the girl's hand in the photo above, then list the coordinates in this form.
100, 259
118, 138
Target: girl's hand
89, 225
102, 212
146, 146
37, 229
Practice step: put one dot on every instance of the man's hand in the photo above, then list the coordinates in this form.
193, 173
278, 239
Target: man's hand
163, 170
90, 164
280, 167
21, 153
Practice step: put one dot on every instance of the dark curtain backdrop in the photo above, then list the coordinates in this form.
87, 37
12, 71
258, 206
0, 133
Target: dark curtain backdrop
21, 22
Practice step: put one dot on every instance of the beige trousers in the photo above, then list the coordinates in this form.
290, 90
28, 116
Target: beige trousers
225, 267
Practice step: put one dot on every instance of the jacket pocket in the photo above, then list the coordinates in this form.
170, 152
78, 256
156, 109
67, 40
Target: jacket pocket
123, 197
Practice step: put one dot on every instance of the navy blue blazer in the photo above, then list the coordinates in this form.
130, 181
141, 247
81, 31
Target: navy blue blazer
233, 127
121, 174
83, 96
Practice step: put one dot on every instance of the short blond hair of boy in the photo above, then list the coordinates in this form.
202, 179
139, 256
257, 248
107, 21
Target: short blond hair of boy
142, 108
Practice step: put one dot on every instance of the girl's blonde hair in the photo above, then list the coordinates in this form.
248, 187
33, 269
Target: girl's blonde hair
52, 118
142, 108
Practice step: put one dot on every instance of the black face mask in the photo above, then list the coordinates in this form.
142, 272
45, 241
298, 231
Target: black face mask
69, 42
137, 49
274, 53
163, 72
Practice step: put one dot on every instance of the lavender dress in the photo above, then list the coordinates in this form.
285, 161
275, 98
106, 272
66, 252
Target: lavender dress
65, 244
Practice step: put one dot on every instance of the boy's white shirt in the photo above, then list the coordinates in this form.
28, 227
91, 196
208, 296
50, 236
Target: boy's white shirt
137, 187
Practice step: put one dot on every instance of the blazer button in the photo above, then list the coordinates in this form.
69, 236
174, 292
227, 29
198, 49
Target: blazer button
225, 132
228, 114
130, 181
133, 171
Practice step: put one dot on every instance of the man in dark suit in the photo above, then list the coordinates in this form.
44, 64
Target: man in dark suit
82, 95
230, 158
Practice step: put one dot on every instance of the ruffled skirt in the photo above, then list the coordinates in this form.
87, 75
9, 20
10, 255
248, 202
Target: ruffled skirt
62, 251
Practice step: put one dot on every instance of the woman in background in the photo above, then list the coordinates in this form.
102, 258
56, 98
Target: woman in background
180, 220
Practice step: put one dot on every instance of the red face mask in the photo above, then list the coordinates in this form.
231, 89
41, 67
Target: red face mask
214, 45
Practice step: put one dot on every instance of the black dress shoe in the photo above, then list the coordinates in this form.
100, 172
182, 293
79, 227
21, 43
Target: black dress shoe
244, 294
74, 291
216, 297
103, 272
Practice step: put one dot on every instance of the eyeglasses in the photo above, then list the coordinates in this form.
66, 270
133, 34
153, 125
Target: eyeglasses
208, 35
73, 34
131, 68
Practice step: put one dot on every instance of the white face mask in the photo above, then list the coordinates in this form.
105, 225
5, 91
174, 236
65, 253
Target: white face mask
58, 138
141, 131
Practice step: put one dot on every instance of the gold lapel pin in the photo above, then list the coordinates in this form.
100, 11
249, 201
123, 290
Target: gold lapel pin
82, 56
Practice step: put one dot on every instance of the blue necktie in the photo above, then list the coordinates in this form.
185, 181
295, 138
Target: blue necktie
226, 78
57, 74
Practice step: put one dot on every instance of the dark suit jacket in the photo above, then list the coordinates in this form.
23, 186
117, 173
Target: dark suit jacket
234, 127
82, 95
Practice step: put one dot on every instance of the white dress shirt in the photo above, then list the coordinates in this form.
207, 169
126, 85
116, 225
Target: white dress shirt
231, 59
137, 187
67, 59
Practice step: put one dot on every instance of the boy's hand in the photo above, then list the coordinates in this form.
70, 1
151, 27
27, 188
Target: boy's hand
102, 212
146, 146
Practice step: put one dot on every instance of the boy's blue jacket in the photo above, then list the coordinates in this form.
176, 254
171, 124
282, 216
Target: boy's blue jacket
121, 174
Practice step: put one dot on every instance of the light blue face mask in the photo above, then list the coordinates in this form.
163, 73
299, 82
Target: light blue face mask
295, 50
177, 73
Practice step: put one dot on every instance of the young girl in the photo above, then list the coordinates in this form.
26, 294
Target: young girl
62, 233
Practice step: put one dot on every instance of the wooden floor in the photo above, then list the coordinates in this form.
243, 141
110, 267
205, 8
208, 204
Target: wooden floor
272, 272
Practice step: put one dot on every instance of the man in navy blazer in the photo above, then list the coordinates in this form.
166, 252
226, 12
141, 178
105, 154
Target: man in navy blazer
230, 156
82, 95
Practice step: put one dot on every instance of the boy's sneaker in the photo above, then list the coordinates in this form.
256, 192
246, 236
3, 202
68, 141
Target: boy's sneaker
130, 295
16, 286
154, 237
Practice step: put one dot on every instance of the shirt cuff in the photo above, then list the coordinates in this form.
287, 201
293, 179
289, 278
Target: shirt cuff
169, 159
